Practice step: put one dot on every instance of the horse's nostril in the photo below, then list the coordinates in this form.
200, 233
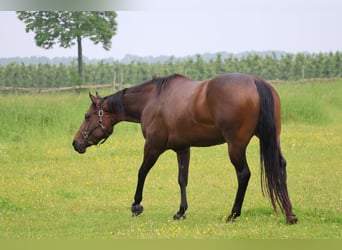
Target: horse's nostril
74, 143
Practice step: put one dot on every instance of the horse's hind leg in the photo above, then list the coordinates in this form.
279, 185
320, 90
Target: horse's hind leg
183, 157
237, 154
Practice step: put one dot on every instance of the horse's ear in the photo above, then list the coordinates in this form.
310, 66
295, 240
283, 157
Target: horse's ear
97, 95
92, 98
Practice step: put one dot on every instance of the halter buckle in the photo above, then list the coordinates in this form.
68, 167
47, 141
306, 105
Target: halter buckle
100, 113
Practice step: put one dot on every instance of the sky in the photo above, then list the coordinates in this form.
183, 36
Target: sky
188, 27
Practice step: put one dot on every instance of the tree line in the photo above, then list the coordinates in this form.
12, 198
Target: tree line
288, 67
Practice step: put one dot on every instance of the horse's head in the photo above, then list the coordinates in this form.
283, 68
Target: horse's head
97, 125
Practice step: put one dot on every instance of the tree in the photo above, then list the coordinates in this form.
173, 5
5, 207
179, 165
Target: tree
285, 67
270, 67
299, 66
337, 64
66, 27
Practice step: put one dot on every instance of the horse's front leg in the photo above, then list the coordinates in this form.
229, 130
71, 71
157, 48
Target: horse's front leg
183, 157
150, 158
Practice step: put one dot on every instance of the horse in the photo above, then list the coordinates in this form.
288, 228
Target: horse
177, 113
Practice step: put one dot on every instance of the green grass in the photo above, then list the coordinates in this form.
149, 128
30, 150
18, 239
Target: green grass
317, 102
48, 191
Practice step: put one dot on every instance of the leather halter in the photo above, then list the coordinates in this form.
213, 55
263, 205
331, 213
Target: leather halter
87, 133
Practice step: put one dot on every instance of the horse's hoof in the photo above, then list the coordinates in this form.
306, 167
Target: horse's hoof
179, 216
292, 219
136, 209
231, 218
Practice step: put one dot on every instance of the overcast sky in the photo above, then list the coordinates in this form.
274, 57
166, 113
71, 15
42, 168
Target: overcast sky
212, 26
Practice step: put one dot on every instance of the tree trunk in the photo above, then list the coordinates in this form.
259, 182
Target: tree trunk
79, 59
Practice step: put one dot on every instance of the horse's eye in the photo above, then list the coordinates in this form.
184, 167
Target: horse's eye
86, 117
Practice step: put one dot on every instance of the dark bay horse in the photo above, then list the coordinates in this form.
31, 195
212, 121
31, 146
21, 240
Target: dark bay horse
176, 112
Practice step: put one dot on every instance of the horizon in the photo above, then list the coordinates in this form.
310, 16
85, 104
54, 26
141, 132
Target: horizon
129, 58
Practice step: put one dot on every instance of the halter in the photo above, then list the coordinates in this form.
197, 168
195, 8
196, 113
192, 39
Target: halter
86, 133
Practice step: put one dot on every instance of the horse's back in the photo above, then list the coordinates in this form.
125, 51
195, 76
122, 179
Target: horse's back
204, 113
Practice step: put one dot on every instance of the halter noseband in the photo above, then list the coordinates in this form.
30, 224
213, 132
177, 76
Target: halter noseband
86, 133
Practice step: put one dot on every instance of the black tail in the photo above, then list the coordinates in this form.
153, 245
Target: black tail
273, 172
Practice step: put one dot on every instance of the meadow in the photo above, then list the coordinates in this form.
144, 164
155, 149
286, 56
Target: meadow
48, 191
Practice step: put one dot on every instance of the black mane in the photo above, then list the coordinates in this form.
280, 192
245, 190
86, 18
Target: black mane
115, 102
162, 82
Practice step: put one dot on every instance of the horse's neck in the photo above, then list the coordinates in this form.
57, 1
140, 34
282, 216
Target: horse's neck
135, 100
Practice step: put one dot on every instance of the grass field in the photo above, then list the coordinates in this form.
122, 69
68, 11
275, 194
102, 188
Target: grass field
48, 191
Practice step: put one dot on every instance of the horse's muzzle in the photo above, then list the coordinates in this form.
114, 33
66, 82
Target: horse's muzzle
79, 148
